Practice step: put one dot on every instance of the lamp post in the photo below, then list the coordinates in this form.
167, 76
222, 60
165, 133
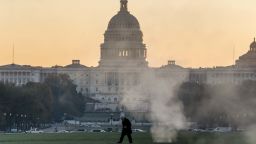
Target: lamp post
21, 122
16, 122
38, 122
65, 123
5, 116
65, 116
10, 119
111, 119
24, 122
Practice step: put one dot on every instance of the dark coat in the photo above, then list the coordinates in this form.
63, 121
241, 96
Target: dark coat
127, 126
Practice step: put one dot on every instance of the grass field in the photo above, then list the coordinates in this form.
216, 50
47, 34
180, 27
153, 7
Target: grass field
111, 138
69, 138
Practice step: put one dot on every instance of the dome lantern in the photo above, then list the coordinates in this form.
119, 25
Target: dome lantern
123, 5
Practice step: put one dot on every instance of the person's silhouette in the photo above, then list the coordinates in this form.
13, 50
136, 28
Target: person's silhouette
126, 130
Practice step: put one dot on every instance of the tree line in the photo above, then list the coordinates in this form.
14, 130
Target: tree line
35, 103
219, 105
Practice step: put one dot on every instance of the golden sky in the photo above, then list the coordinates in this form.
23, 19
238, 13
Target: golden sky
196, 33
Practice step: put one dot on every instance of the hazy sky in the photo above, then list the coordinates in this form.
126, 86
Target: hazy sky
196, 33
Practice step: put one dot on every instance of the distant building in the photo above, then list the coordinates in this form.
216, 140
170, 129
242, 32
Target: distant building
248, 60
244, 69
123, 58
19, 75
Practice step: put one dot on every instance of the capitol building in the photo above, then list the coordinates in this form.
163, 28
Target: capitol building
123, 58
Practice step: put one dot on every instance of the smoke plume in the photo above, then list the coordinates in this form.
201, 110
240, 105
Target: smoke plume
221, 105
156, 95
231, 105
250, 135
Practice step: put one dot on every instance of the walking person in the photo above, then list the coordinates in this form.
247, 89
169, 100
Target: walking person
126, 129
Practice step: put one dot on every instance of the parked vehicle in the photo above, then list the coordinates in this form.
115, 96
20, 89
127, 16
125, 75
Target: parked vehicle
95, 126
109, 129
222, 129
198, 130
34, 131
138, 130
63, 131
14, 130
98, 131
81, 130
240, 129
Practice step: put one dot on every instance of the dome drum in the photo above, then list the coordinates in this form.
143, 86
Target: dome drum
123, 53
119, 37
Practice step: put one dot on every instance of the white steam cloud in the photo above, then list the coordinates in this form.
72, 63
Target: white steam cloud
157, 95
251, 135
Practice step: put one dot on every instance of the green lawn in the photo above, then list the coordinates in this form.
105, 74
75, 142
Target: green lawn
111, 138
72, 138
211, 138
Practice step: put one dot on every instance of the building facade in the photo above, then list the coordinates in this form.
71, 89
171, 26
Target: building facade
122, 61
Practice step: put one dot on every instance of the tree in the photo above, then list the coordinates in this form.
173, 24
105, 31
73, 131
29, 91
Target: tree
65, 97
40, 102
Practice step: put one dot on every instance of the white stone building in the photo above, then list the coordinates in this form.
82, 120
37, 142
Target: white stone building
123, 59
19, 75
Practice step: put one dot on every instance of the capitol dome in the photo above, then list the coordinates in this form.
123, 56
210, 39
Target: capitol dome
123, 41
123, 19
253, 45
123, 26
248, 60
